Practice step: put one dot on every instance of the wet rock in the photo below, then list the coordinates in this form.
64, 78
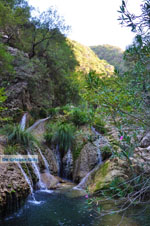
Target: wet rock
107, 172
49, 180
52, 161
86, 162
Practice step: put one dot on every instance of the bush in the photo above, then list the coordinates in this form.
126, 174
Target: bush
60, 133
16, 135
10, 150
64, 136
99, 125
80, 117
53, 111
50, 131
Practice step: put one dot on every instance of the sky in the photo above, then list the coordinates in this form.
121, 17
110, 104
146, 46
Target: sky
93, 22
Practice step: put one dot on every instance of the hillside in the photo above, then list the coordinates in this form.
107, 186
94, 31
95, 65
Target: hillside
112, 54
88, 60
25, 87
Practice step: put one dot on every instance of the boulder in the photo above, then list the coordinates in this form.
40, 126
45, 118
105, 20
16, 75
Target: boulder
52, 161
107, 173
145, 142
86, 161
49, 180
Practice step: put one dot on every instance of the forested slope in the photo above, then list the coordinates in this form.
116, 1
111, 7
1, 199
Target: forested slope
112, 54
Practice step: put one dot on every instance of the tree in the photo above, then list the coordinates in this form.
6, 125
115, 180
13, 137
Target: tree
13, 16
41, 30
138, 23
5, 60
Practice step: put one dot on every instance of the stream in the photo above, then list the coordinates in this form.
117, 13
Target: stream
67, 205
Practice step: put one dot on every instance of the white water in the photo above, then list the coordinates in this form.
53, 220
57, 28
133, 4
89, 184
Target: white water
84, 182
44, 160
23, 121
37, 173
58, 158
37, 123
68, 163
97, 143
27, 180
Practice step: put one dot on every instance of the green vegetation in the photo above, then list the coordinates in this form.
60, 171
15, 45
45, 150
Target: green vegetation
15, 135
89, 61
62, 134
80, 116
112, 54
99, 124
10, 150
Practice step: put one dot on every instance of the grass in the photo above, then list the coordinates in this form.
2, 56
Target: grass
15, 135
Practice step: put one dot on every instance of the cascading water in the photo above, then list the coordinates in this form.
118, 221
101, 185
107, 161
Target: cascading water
84, 182
23, 121
96, 143
37, 173
58, 158
44, 160
27, 180
67, 165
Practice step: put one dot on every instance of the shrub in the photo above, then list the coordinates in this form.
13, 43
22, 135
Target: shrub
16, 135
50, 130
10, 150
99, 124
53, 111
62, 134
80, 117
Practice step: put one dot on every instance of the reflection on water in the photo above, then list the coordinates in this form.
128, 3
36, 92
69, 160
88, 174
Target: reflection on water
70, 208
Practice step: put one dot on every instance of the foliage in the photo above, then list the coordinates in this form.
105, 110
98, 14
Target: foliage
111, 94
5, 60
61, 134
88, 60
138, 23
16, 135
112, 54
10, 150
99, 124
79, 116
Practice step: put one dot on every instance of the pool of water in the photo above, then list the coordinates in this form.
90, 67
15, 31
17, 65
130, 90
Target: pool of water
69, 207
64, 207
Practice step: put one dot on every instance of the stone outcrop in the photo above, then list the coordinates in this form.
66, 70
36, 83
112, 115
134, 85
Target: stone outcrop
86, 162
49, 180
107, 172
52, 161
145, 141
13, 186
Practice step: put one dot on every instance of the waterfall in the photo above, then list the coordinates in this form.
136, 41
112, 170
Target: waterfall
84, 182
58, 158
44, 160
23, 121
37, 173
67, 162
96, 143
37, 123
27, 180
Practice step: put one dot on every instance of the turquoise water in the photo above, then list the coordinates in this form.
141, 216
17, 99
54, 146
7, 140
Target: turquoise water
68, 207
53, 209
